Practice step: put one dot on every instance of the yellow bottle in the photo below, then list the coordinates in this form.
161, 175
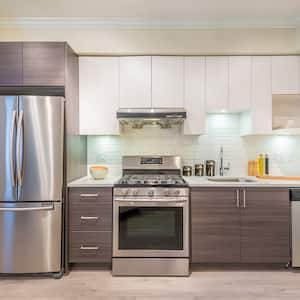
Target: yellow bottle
261, 165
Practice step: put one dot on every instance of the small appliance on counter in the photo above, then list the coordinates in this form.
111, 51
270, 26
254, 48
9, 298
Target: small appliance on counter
199, 169
187, 171
210, 168
151, 218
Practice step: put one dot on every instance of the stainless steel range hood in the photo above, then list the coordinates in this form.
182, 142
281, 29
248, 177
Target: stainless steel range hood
286, 114
163, 117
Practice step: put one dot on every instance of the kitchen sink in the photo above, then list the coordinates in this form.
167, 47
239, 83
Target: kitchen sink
232, 179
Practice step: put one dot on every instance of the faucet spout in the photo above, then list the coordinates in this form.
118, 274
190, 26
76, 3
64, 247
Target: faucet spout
221, 161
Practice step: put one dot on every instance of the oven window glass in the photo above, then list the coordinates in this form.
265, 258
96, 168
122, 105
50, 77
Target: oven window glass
151, 228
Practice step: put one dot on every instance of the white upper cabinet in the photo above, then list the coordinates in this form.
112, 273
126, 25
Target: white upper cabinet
217, 80
194, 95
285, 75
135, 82
99, 95
240, 83
259, 119
167, 81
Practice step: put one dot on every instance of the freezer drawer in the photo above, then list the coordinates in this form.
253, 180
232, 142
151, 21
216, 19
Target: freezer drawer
30, 237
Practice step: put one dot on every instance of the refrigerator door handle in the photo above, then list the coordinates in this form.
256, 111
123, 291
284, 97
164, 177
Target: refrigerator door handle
12, 157
34, 208
19, 130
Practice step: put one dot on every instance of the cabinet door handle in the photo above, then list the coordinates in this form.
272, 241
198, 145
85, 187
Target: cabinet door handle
244, 198
237, 198
88, 248
89, 218
89, 195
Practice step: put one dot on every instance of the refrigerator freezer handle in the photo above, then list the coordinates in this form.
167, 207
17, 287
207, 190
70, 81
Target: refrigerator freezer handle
19, 129
34, 208
12, 152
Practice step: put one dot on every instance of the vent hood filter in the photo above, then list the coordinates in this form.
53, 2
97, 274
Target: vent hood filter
286, 113
138, 117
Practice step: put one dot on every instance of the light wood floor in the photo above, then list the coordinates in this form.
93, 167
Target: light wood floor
206, 284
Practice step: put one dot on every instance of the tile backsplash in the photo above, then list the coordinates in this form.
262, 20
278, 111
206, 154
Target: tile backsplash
222, 129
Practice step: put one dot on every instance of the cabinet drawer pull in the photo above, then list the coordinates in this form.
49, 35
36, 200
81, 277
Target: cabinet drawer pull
88, 248
238, 198
89, 195
244, 198
89, 218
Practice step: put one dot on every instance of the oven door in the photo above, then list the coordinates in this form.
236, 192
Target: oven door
151, 228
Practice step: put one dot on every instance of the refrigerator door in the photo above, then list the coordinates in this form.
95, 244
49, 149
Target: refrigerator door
30, 237
8, 116
39, 157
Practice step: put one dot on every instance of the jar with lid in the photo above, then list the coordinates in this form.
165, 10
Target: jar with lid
199, 169
187, 170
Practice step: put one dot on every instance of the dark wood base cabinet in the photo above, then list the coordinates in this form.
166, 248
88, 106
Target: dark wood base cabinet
265, 226
250, 225
90, 225
215, 226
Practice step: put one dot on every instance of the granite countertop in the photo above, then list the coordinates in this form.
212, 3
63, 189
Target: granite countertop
196, 181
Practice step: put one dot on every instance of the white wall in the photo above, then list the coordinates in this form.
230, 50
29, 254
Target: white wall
98, 40
298, 37
221, 130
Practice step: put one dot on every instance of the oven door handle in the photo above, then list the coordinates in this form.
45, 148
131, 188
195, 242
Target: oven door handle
151, 200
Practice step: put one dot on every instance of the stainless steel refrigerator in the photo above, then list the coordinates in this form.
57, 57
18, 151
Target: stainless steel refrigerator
31, 183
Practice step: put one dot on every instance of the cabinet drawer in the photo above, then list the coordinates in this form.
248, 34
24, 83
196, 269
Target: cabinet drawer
91, 219
90, 196
90, 209
88, 247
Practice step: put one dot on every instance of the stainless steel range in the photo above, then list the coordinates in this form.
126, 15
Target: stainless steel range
151, 218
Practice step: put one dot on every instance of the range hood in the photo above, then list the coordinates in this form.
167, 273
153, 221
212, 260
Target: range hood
139, 117
286, 114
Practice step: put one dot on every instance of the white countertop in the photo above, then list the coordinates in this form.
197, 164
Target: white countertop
196, 181
193, 181
90, 182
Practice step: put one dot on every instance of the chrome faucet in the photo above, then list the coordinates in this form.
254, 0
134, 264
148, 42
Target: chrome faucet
221, 162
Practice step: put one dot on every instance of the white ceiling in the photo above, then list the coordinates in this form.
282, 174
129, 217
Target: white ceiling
205, 12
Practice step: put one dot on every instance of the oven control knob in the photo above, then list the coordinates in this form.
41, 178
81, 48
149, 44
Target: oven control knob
177, 193
134, 192
124, 192
167, 193
150, 193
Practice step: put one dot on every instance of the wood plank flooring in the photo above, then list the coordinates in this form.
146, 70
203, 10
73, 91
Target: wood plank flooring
206, 284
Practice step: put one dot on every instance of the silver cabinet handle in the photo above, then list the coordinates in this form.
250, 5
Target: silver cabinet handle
88, 248
244, 198
19, 167
161, 200
89, 195
89, 218
49, 207
237, 198
12, 163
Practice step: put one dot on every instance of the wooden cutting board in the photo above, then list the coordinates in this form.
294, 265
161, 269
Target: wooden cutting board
279, 177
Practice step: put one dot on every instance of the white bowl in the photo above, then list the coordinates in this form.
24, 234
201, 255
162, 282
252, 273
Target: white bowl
98, 172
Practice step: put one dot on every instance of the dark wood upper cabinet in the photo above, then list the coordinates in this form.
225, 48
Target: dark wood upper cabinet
10, 64
44, 64
215, 225
265, 235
